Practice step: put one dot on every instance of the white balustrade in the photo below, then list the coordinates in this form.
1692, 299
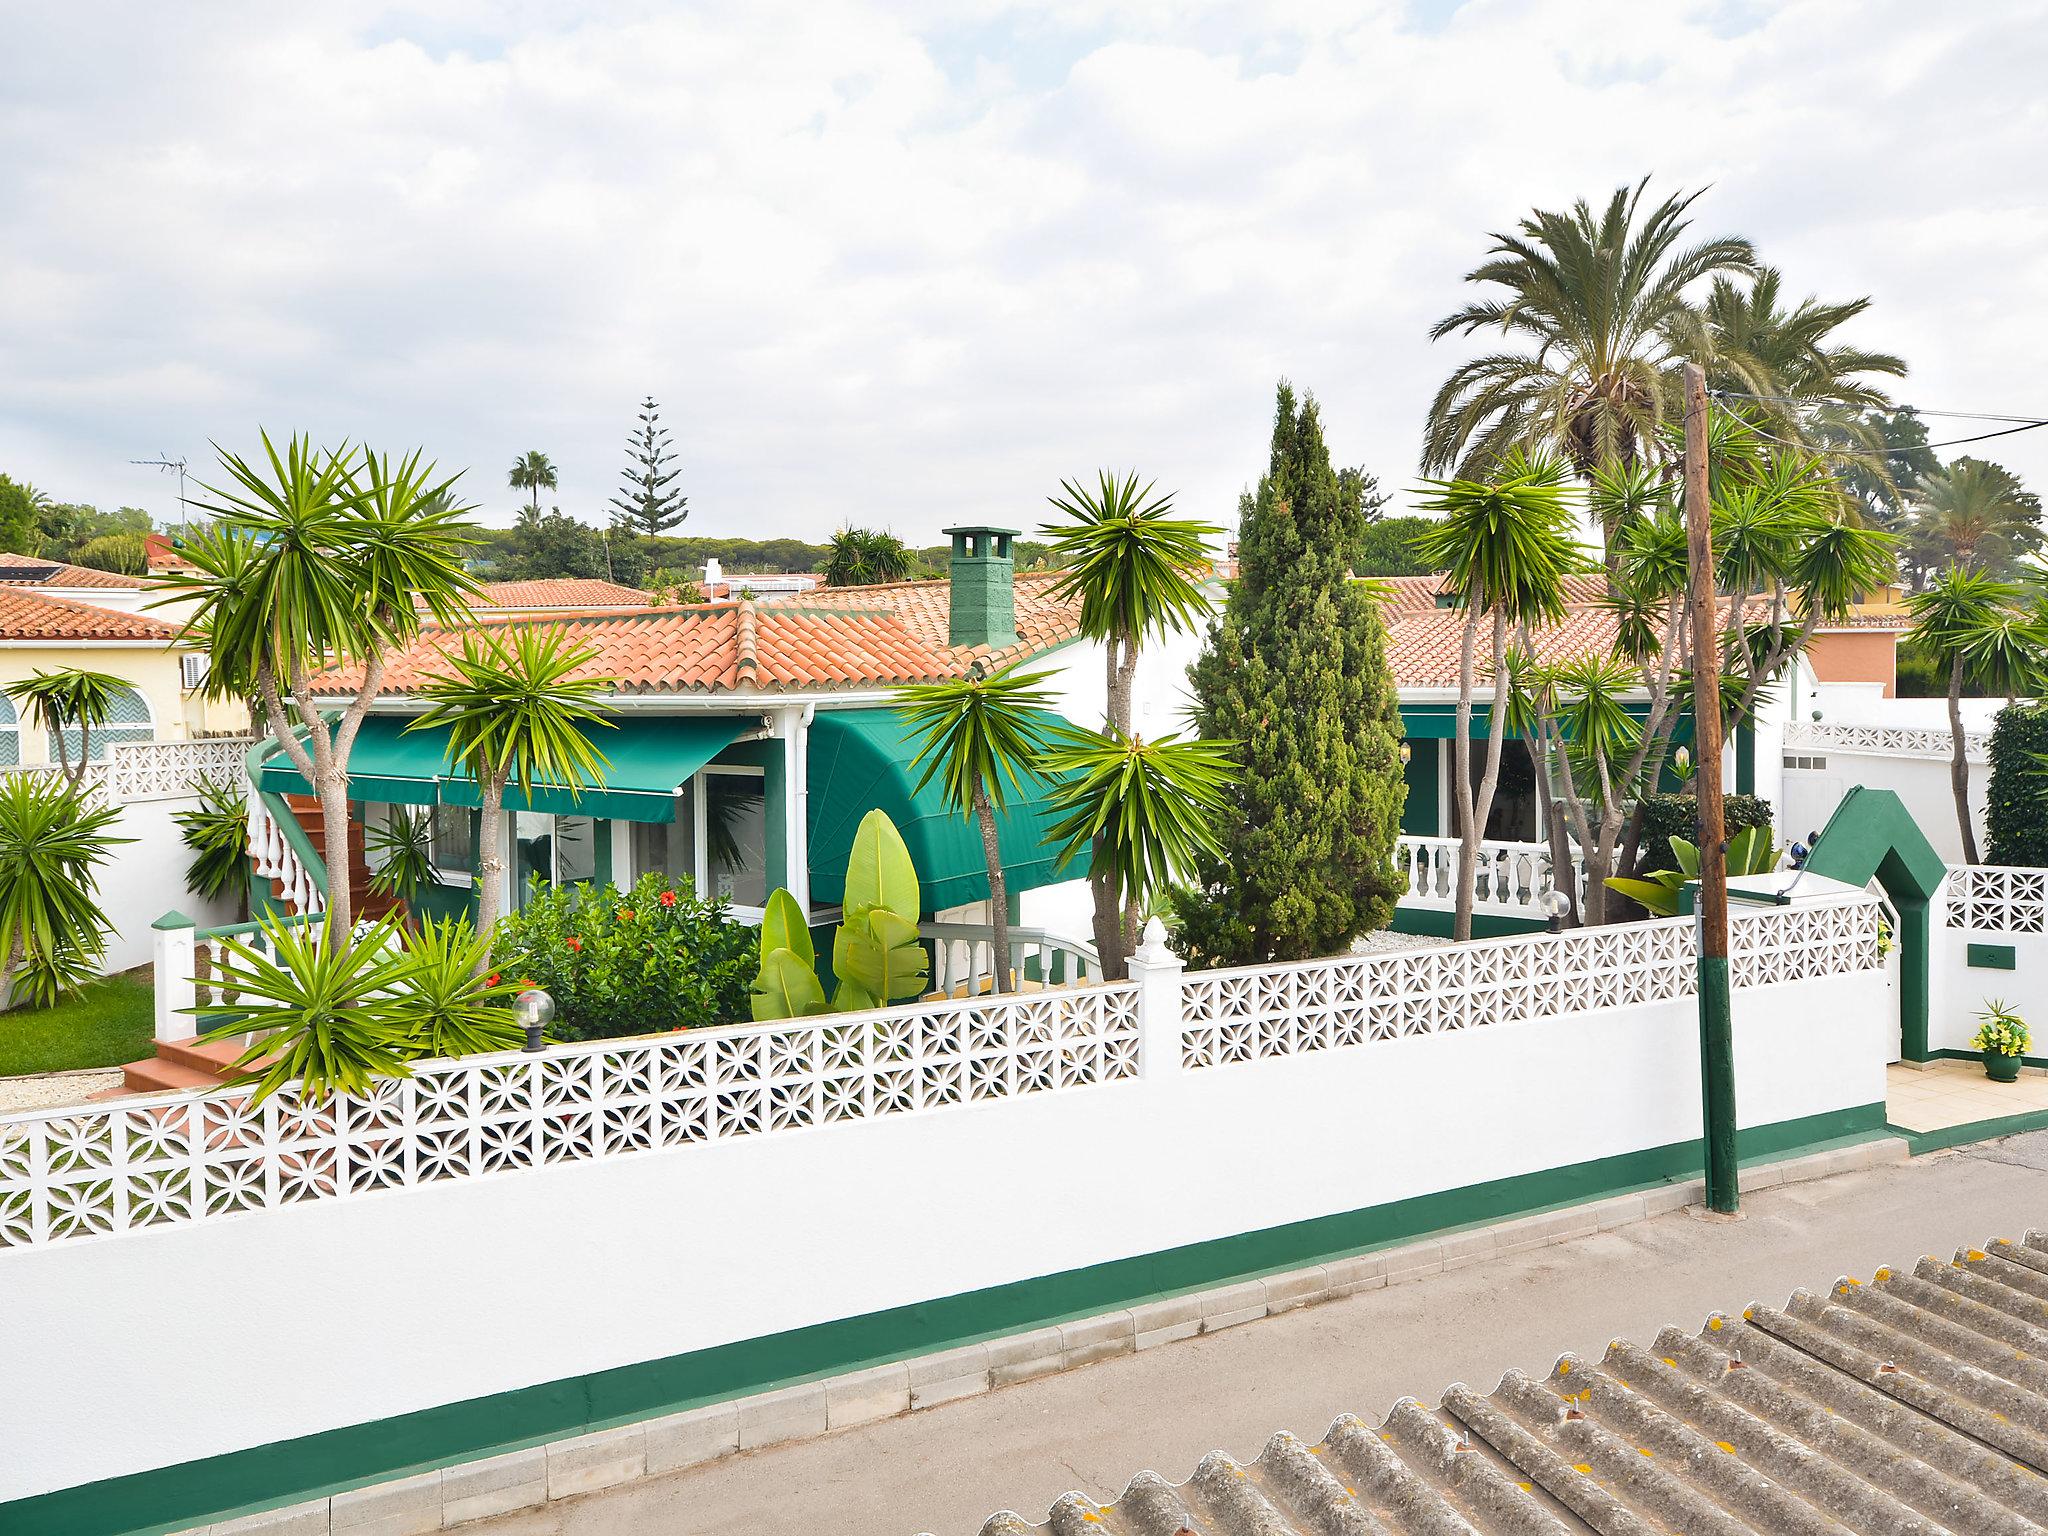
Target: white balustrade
1512, 877
1884, 740
963, 958
273, 858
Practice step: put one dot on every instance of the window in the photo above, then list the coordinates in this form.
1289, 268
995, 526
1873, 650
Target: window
192, 671
559, 850
669, 847
129, 720
736, 835
454, 844
1808, 764
10, 733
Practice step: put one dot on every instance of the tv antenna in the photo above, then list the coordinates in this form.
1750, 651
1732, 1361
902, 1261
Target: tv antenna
165, 461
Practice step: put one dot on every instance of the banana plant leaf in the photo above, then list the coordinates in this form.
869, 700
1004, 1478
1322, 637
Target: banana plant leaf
881, 955
787, 988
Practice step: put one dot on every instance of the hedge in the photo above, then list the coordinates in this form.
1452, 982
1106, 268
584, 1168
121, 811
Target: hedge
1669, 816
2016, 809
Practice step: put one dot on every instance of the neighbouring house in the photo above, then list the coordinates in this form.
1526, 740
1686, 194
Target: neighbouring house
78, 583
160, 553
162, 674
716, 584
558, 594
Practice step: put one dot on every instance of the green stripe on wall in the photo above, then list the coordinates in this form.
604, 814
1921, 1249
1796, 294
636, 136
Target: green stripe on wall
314, 1466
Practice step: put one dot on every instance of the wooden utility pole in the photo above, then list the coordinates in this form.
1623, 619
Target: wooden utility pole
1717, 1042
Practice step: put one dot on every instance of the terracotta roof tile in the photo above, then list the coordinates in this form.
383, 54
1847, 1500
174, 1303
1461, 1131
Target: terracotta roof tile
27, 615
31, 573
1043, 620
563, 592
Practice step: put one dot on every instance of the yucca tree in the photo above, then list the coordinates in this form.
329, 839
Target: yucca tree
1811, 388
70, 698
1974, 514
1137, 570
1597, 297
1505, 545
981, 737
317, 559
52, 930
860, 557
533, 472
216, 832
514, 713
1973, 622
1146, 808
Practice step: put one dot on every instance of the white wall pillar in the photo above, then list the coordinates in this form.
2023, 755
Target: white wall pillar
1157, 970
176, 955
793, 726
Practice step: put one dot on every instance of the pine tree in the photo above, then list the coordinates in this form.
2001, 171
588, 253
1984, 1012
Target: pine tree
646, 503
1296, 672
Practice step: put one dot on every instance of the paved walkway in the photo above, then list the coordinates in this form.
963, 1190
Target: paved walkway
946, 1469
1950, 1093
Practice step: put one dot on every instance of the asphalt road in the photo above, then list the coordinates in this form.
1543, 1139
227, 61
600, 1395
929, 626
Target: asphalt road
944, 1470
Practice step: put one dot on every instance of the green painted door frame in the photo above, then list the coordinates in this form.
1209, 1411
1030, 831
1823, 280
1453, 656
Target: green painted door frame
1871, 836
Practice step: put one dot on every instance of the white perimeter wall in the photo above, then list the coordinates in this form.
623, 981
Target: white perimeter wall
146, 878
381, 1304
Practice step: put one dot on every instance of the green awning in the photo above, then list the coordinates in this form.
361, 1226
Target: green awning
649, 757
860, 760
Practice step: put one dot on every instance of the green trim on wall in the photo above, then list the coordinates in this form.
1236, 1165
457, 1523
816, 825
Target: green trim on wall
1435, 924
1920, 1143
1952, 1054
1992, 957
1422, 811
314, 1466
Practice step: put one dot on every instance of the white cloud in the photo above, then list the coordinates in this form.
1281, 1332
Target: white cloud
912, 264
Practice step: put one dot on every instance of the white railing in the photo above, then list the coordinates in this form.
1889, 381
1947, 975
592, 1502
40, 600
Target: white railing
146, 1162
1884, 740
1251, 1012
161, 770
273, 858
1996, 898
104, 1169
963, 958
1512, 877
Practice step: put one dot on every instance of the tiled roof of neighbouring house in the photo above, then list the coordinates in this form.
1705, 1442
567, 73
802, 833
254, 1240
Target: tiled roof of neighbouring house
163, 553
27, 615
28, 571
1915, 1403
562, 592
1043, 620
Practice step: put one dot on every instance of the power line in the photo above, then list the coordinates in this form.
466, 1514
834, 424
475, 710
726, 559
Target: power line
2027, 424
1807, 400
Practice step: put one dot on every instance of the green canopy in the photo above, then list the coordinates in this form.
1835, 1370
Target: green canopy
860, 761
648, 757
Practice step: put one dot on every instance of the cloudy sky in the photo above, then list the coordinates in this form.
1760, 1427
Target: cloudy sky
908, 264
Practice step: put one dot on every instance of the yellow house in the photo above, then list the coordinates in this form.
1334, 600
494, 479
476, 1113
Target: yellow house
162, 702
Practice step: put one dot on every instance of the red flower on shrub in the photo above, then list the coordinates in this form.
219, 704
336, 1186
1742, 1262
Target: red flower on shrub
573, 942
526, 981
625, 914
491, 980
668, 898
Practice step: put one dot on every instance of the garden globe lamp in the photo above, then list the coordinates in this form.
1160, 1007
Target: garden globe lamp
1557, 907
534, 1010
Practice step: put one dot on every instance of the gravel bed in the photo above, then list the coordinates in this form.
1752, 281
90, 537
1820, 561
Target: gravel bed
52, 1090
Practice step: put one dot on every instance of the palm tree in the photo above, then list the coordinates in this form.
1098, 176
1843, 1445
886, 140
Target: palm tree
534, 472
514, 714
1599, 299
69, 699
52, 929
1505, 548
1975, 514
1972, 621
315, 559
860, 557
1137, 571
1147, 809
1811, 389
982, 735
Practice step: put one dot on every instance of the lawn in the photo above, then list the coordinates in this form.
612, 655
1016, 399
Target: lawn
109, 1023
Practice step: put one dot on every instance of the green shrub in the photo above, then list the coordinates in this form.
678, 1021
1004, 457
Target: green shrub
2016, 805
1669, 816
1920, 673
631, 962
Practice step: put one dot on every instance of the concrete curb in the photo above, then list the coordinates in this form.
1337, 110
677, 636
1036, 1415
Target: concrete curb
532, 1478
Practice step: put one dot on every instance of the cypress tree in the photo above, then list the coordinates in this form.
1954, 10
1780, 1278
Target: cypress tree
647, 502
1296, 673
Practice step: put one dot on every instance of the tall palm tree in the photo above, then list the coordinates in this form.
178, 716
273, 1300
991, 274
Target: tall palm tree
1137, 571
67, 699
1597, 298
1975, 514
514, 714
533, 472
1973, 622
981, 735
1505, 546
1811, 388
315, 559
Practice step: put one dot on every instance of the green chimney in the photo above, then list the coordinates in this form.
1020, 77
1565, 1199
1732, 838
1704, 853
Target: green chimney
983, 605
